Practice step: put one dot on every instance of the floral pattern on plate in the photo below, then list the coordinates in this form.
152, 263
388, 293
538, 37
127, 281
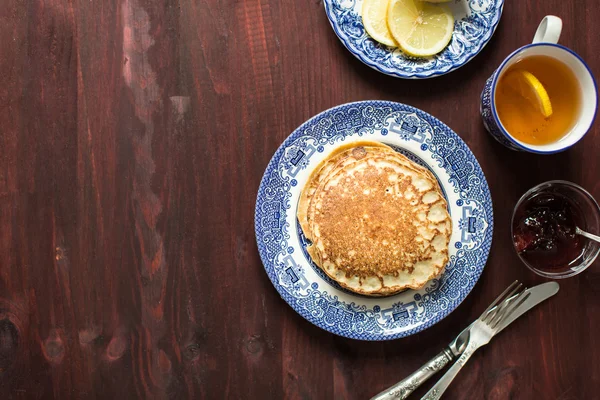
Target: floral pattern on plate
475, 23
281, 244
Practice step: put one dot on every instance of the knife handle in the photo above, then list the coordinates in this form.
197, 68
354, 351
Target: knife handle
405, 387
436, 392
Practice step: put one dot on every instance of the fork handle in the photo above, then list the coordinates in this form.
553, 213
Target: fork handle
405, 387
440, 387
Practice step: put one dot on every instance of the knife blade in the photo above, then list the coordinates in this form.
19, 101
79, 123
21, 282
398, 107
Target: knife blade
537, 294
404, 388
484, 329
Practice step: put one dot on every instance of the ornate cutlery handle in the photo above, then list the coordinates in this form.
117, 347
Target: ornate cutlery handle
405, 387
440, 387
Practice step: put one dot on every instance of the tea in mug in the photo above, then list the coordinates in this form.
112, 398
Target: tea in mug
520, 109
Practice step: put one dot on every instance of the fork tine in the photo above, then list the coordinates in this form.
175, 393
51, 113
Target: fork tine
502, 308
515, 305
508, 289
490, 317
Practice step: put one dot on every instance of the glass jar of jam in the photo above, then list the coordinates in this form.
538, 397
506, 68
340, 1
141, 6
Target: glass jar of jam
543, 229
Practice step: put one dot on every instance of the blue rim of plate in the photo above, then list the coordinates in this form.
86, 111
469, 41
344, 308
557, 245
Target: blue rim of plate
471, 35
279, 240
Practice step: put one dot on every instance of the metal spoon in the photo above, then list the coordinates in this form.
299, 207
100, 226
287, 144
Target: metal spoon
587, 235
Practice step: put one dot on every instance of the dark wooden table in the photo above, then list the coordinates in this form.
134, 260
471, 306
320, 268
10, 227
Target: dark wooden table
133, 136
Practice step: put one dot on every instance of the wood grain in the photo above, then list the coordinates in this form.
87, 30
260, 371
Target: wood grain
134, 134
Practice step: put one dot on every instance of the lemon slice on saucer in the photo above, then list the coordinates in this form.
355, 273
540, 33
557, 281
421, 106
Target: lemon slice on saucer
529, 87
374, 13
421, 29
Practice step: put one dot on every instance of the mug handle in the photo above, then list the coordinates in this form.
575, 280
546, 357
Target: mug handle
549, 30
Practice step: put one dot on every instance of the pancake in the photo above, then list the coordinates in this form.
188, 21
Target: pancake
378, 222
321, 172
335, 161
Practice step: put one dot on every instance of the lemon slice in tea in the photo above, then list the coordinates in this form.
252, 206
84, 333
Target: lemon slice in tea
530, 88
421, 29
374, 15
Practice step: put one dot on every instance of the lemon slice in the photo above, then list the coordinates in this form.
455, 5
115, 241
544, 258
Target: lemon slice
421, 29
529, 87
374, 13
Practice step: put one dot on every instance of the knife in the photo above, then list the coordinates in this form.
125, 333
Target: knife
405, 387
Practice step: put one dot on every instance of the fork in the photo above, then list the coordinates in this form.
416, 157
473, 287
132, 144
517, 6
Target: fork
482, 331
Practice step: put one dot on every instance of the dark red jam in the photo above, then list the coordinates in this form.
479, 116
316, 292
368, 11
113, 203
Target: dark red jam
544, 231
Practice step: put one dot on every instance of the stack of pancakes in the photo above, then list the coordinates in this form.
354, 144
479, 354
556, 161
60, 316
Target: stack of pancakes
377, 222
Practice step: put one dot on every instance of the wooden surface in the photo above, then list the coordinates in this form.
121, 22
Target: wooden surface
133, 136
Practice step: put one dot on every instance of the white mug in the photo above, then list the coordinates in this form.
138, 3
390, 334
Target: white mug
544, 43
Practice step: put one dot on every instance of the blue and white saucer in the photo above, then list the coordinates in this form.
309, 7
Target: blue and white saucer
281, 244
475, 23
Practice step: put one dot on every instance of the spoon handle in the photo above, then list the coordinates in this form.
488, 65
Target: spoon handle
587, 235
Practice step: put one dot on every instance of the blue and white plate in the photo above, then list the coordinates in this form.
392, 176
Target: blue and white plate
281, 243
475, 23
